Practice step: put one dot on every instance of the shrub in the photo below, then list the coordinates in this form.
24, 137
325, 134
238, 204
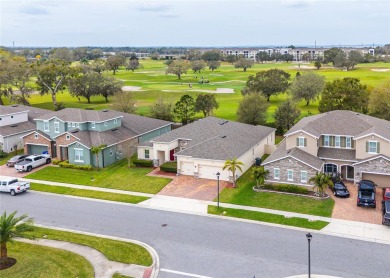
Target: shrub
55, 161
170, 167
66, 164
143, 163
287, 188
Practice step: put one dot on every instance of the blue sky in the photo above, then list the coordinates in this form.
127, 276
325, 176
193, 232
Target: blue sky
193, 23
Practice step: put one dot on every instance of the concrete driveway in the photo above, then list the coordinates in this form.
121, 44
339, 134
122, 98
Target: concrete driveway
346, 208
11, 172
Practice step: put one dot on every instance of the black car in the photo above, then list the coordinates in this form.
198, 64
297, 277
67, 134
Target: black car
340, 190
366, 194
15, 159
386, 213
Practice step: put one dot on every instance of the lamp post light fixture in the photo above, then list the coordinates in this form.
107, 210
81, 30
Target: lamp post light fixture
309, 236
218, 174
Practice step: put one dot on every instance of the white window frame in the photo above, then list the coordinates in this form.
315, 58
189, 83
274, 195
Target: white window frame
303, 176
301, 142
348, 142
36, 136
147, 155
67, 137
111, 152
337, 141
77, 125
105, 124
46, 126
69, 124
93, 125
376, 147
326, 140
276, 174
73, 124
77, 157
56, 127
115, 121
289, 171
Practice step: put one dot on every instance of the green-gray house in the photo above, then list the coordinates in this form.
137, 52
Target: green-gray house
71, 133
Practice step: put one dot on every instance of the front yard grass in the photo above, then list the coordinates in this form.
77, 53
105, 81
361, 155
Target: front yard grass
116, 176
244, 195
44, 262
88, 193
267, 217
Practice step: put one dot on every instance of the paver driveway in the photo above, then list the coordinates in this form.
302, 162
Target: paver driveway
190, 187
11, 172
346, 208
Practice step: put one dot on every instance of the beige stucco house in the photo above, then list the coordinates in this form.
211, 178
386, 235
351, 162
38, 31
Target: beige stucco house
201, 148
355, 145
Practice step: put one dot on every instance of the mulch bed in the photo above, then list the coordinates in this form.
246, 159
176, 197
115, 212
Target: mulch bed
9, 262
311, 194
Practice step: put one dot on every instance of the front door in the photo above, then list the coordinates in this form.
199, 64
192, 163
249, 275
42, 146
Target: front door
171, 155
350, 172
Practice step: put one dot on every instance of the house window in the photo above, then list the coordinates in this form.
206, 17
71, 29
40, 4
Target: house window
45, 126
348, 142
111, 152
276, 173
93, 125
290, 175
78, 125
56, 127
73, 124
78, 155
326, 141
301, 142
36, 135
115, 121
105, 124
69, 124
372, 147
337, 142
304, 176
67, 137
147, 154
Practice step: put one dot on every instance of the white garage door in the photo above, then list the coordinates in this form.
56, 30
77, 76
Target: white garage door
209, 172
380, 180
187, 168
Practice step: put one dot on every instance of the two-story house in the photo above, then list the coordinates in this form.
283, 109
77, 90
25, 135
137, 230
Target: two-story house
202, 147
70, 134
355, 145
17, 121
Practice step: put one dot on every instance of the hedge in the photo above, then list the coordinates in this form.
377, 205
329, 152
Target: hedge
143, 163
66, 164
55, 161
170, 167
287, 188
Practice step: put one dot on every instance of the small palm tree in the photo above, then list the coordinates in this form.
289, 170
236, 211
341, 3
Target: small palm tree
96, 150
259, 174
233, 165
12, 227
321, 181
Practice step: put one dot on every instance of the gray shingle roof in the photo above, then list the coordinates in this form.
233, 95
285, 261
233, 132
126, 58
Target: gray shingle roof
16, 128
342, 122
210, 139
296, 153
80, 115
337, 154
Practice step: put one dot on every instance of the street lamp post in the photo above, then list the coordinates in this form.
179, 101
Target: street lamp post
218, 174
309, 236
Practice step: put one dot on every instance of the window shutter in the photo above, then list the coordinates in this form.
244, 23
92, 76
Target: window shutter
343, 142
331, 141
323, 140
367, 146
297, 142
377, 147
305, 142
352, 143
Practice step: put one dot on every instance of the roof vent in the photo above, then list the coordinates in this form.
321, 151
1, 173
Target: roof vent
223, 122
224, 136
115, 129
75, 131
105, 110
289, 151
14, 125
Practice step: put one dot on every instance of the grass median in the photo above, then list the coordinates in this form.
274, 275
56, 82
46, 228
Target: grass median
88, 193
267, 217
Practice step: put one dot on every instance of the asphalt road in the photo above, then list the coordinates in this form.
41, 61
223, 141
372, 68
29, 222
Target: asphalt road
207, 246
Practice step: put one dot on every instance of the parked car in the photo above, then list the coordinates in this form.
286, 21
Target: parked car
15, 159
386, 213
13, 186
386, 194
339, 189
32, 161
366, 194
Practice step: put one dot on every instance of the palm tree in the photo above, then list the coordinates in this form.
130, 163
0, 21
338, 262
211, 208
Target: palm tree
232, 166
96, 150
321, 181
259, 174
12, 227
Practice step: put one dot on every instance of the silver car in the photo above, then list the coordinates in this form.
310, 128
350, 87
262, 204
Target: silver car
15, 159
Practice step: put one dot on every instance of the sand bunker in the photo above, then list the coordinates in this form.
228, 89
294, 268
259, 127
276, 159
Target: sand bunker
303, 67
131, 88
380, 70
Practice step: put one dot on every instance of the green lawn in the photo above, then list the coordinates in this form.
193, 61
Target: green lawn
155, 83
244, 195
267, 217
116, 176
35, 261
114, 250
88, 193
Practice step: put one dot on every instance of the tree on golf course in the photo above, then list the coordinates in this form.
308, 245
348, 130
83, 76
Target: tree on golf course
243, 63
178, 68
308, 86
252, 109
206, 103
